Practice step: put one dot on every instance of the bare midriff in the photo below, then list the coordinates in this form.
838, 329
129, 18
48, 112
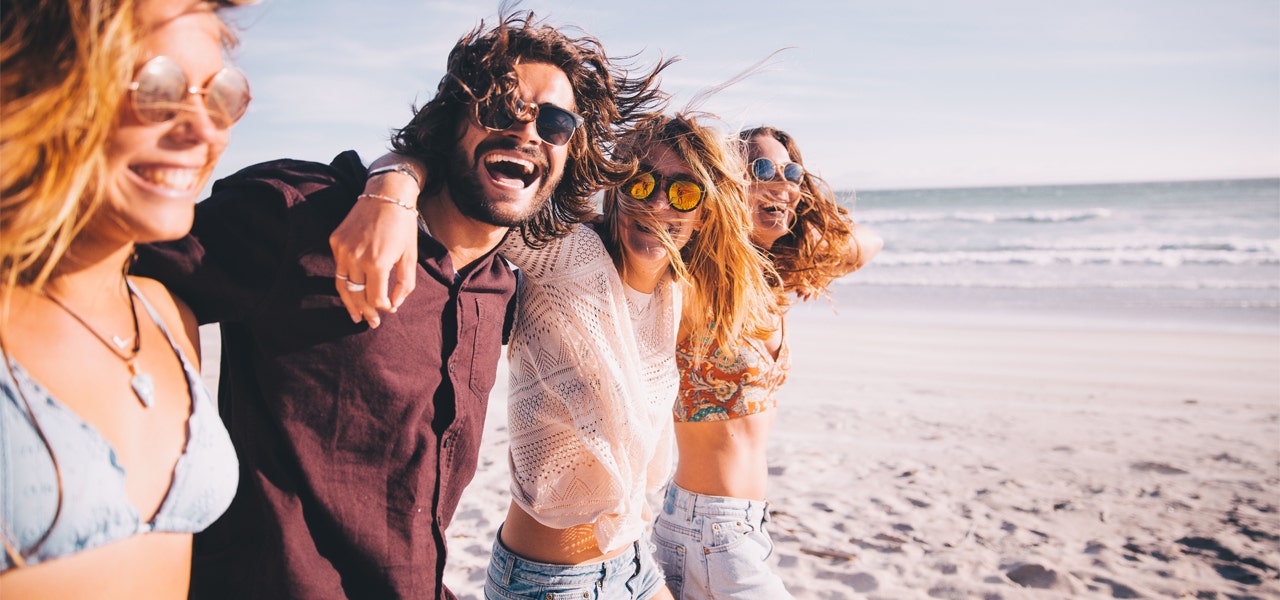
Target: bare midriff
525, 536
725, 458
107, 571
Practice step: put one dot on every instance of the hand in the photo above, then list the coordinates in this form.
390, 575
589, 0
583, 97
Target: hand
866, 244
807, 292
377, 246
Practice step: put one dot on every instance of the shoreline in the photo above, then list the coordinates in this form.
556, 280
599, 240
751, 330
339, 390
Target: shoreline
1004, 308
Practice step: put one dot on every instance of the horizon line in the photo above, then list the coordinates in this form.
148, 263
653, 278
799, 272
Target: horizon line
1067, 184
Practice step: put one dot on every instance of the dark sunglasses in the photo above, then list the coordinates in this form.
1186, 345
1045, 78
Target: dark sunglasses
555, 125
764, 169
682, 194
159, 92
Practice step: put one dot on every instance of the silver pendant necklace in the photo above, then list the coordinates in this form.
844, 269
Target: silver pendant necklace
143, 386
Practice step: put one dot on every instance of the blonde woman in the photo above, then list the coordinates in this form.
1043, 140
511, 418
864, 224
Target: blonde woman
710, 534
111, 452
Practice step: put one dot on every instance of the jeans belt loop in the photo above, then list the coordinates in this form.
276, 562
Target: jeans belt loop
508, 563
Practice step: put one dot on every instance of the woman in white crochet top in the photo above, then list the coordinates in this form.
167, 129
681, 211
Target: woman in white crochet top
592, 359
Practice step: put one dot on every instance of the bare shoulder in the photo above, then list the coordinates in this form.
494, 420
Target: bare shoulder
177, 316
157, 294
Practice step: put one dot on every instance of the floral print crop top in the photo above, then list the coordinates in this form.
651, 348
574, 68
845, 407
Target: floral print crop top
718, 388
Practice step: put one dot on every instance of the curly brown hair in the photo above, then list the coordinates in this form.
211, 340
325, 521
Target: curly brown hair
812, 253
481, 68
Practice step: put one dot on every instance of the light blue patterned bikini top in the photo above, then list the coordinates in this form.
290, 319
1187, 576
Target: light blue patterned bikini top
95, 506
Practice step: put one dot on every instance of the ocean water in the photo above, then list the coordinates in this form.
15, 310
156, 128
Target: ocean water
1184, 255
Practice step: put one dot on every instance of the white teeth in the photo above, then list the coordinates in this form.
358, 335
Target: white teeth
173, 178
524, 164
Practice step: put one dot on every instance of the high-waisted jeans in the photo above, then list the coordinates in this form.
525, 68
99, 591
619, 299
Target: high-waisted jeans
630, 575
715, 547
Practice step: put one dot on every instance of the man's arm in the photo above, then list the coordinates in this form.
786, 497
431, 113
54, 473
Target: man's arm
376, 246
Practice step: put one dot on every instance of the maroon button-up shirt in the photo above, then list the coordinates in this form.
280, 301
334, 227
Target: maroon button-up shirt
355, 444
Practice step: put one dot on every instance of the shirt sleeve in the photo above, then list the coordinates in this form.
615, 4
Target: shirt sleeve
225, 267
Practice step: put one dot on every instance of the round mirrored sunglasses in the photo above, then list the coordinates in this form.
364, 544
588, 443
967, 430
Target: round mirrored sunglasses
764, 169
682, 194
160, 89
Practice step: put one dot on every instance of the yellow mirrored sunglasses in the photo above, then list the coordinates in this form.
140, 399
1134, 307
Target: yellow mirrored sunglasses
683, 195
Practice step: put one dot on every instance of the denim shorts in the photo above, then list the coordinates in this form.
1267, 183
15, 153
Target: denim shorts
715, 547
632, 575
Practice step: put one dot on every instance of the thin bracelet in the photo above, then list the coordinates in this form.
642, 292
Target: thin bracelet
398, 168
405, 204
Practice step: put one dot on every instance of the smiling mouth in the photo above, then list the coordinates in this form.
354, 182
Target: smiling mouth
512, 171
178, 179
656, 230
776, 210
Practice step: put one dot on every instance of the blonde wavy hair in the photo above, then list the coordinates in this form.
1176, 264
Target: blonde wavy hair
813, 252
729, 294
64, 70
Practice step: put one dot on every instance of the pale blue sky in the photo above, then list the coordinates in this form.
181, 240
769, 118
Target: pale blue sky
881, 94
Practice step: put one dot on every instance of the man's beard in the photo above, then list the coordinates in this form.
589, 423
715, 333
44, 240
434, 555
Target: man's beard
463, 181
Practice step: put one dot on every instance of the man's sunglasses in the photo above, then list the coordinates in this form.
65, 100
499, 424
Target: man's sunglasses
764, 169
160, 89
684, 195
555, 125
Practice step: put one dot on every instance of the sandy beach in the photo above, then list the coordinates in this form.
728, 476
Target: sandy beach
950, 461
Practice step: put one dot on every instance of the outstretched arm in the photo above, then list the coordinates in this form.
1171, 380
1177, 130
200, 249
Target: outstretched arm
376, 246
864, 245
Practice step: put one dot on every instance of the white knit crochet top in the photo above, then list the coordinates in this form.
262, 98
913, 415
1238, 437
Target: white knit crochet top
593, 380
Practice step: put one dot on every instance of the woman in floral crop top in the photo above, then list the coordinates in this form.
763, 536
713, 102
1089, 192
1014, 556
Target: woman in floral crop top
710, 532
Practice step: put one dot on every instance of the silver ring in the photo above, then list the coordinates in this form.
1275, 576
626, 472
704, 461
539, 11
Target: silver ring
340, 276
354, 287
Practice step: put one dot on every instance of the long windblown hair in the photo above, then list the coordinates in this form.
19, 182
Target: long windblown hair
812, 253
65, 66
481, 68
729, 294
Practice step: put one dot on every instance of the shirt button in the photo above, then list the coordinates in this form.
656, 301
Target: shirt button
451, 368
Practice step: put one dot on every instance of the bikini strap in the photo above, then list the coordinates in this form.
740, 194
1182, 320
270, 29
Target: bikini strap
155, 318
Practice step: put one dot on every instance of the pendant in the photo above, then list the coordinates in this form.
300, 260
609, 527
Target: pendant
144, 389
121, 343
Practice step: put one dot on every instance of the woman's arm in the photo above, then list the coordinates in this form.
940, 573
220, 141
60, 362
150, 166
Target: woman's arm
866, 245
377, 244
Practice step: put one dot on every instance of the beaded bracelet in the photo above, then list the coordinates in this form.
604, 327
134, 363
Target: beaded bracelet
405, 204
